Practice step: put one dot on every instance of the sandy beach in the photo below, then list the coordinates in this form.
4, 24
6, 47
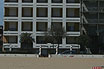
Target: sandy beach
49, 63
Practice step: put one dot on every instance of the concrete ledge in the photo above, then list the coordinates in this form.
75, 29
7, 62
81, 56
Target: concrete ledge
19, 55
52, 56
76, 56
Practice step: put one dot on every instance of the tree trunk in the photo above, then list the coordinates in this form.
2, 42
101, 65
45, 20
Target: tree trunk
57, 48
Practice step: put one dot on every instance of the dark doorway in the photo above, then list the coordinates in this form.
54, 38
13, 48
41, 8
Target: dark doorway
44, 53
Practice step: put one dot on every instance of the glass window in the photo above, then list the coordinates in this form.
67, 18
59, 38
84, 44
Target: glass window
11, 39
42, 12
42, 1
41, 26
27, 12
56, 1
11, 26
11, 12
27, 1
27, 26
71, 12
71, 40
72, 27
11, 0
57, 12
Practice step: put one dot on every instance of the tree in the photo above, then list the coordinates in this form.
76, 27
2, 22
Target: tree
55, 34
26, 41
84, 41
100, 42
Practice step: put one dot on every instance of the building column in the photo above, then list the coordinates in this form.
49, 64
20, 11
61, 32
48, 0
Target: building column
40, 50
64, 21
49, 14
70, 48
34, 22
56, 49
19, 21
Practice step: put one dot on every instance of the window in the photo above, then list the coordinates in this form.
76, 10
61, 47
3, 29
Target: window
41, 26
27, 12
42, 1
40, 40
72, 1
55, 24
42, 12
11, 0
27, 1
27, 26
71, 40
56, 12
72, 27
56, 1
71, 12
11, 39
11, 12
11, 26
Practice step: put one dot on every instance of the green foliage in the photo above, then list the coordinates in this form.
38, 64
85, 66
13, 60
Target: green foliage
26, 38
55, 34
84, 40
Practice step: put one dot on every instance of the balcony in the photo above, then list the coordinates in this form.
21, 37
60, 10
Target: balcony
91, 6
95, 21
73, 19
101, 4
8, 45
91, 9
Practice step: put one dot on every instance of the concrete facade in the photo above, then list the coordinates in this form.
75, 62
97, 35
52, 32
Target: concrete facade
32, 15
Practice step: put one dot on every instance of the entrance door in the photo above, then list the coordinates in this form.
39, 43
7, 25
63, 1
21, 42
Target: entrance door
44, 53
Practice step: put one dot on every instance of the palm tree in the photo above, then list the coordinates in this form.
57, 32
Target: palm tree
26, 41
56, 33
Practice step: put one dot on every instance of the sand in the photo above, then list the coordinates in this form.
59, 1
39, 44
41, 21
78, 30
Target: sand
49, 63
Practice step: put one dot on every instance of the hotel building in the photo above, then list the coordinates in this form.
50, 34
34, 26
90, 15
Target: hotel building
35, 17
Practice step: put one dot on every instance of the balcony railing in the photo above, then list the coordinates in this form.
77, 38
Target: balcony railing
95, 20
